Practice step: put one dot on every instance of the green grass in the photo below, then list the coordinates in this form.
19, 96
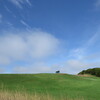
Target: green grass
56, 85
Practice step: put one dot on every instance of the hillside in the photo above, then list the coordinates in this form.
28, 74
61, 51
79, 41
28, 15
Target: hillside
54, 84
91, 71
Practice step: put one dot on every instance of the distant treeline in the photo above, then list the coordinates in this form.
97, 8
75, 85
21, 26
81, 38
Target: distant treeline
93, 71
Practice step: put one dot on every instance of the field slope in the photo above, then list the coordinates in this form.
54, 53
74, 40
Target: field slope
57, 85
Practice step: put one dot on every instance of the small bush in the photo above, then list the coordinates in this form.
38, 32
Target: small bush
58, 71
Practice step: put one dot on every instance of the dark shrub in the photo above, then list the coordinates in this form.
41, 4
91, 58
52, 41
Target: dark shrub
58, 71
93, 71
82, 72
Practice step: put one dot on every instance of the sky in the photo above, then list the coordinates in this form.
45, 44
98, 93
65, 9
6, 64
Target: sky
43, 36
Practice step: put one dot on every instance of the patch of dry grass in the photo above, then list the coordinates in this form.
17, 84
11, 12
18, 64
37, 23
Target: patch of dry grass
85, 75
5, 95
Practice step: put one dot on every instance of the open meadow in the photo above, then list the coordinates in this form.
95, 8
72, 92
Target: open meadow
48, 87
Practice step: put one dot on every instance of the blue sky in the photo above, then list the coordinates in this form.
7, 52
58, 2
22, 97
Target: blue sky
41, 36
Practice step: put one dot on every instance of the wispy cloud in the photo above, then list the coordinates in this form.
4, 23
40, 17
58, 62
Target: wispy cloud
79, 58
80, 52
29, 2
93, 39
97, 3
7, 9
10, 24
25, 24
1, 18
19, 3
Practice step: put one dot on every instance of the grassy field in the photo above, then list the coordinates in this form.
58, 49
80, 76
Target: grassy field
57, 86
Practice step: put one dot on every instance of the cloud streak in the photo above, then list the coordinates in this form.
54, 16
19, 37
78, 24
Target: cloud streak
97, 3
80, 52
1, 18
25, 24
19, 3
80, 59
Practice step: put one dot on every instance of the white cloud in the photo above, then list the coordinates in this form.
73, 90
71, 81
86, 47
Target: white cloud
27, 45
71, 66
74, 66
19, 3
12, 46
44, 44
2, 70
4, 60
38, 67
